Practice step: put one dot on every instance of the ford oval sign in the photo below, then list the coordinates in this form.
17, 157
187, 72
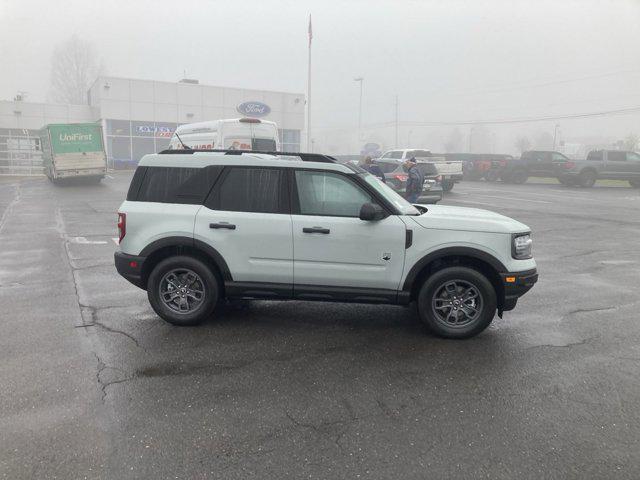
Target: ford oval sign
254, 109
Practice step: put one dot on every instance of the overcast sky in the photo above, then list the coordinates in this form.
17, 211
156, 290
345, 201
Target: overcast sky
446, 61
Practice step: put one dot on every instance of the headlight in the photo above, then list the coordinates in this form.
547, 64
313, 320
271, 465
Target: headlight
521, 246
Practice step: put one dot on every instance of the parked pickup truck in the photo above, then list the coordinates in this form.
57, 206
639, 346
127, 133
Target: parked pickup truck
538, 163
451, 171
601, 164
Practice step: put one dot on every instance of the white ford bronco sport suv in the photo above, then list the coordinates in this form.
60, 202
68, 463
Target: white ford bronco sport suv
201, 226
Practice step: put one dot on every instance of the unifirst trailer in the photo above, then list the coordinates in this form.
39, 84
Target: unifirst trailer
73, 150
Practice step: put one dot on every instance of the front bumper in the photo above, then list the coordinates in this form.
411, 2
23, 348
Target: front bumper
516, 285
130, 267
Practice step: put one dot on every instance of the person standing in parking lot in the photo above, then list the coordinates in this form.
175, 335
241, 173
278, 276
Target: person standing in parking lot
415, 181
372, 168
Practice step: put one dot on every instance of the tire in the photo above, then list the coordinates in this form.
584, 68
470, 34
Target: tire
447, 185
464, 324
169, 276
518, 176
492, 176
634, 183
587, 178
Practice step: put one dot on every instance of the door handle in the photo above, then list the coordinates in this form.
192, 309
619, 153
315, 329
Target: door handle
316, 230
228, 226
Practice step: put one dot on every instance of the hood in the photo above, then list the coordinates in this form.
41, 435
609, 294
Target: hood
444, 217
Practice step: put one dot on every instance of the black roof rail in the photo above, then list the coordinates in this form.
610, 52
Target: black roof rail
305, 157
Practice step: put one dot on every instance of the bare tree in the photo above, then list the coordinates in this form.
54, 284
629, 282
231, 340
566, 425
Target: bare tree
631, 141
523, 144
73, 68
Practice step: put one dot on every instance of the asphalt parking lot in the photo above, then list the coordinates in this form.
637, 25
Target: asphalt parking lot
94, 385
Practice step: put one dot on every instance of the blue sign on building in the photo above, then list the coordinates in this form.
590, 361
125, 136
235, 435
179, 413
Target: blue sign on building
254, 109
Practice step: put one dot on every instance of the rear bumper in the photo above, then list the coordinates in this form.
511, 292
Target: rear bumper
516, 284
456, 177
130, 267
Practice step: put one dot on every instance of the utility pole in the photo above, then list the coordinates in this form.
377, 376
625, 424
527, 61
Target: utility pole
309, 146
555, 135
396, 121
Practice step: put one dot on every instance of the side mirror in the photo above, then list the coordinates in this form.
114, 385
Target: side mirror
372, 212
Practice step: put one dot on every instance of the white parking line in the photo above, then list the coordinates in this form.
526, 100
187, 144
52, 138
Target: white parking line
512, 198
84, 241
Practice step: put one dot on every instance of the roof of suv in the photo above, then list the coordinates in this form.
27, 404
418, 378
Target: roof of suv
204, 158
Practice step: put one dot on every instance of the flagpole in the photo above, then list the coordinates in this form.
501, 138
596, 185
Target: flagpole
309, 91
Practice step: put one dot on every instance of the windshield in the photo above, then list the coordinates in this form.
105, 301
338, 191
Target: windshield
387, 192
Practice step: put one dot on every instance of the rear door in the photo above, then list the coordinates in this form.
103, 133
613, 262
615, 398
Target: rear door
333, 248
246, 218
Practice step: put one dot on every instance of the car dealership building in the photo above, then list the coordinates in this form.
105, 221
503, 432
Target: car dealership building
139, 117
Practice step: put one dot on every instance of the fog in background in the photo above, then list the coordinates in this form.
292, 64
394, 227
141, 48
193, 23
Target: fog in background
454, 61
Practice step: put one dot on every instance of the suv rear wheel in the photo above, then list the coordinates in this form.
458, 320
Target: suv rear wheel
457, 302
182, 290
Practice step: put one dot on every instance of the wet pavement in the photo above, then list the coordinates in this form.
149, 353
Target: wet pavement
94, 385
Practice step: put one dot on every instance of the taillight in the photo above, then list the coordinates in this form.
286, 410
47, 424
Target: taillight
401, 178
122, 226
569, 165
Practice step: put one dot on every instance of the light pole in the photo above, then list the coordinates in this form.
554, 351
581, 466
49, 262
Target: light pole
555, 135
361, 81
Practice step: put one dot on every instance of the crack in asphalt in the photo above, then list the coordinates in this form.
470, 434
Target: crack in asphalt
93, 311
101, 365
105, 384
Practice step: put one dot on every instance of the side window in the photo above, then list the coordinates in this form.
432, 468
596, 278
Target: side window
614, 156
595, 156
387, 167
386, 155
173, 184
258, 190
558, 157
633, 157
396, 154
329, 194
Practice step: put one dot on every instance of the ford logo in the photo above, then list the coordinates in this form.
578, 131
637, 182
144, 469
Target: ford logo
254, 109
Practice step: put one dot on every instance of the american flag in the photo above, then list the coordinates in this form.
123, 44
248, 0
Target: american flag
310, 31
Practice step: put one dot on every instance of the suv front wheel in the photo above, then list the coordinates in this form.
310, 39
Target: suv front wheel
182, 290
457, 302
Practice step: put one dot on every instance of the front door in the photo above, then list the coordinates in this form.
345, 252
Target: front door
332, 246
616, 165
247, 220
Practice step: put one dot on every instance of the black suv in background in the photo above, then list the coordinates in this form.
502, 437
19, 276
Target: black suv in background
536, 163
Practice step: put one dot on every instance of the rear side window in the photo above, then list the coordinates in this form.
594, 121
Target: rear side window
175, 184
387, 167
259, 190
595, 156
